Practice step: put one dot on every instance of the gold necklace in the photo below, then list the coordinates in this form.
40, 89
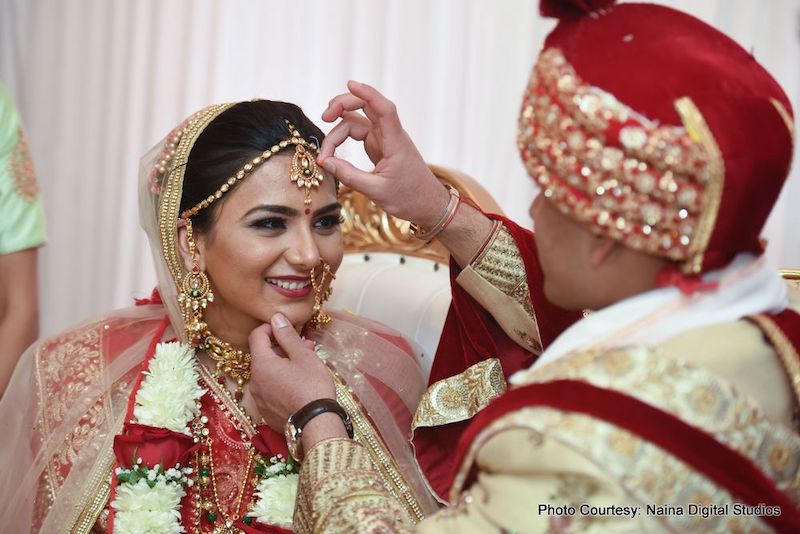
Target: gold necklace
207, 472
229, 361
208, 477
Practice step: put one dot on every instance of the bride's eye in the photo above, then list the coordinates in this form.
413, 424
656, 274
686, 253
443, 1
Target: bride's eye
328, 222
269, 223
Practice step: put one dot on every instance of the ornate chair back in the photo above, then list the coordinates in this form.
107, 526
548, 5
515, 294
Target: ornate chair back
390, 276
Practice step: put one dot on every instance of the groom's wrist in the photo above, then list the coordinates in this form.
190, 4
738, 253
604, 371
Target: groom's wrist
324, 426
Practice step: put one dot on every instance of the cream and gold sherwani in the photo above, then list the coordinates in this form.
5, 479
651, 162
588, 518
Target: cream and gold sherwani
542, 469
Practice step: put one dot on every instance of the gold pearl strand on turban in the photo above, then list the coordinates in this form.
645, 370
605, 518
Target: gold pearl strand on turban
194, 288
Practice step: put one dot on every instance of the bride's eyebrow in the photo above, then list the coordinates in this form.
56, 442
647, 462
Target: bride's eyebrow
272, 208
290, 212
325, 209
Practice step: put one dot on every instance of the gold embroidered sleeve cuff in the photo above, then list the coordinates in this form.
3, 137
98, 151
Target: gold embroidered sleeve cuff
339, 491
496, 278
460, 397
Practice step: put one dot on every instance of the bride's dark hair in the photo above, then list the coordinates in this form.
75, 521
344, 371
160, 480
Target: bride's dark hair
235, 137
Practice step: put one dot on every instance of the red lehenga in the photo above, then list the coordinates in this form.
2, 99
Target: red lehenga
58, 447
222, 462
225, 482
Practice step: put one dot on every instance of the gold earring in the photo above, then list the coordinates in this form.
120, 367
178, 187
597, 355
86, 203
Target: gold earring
321, 294
195, 294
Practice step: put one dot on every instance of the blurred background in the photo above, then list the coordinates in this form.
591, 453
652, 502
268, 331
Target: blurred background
98, 82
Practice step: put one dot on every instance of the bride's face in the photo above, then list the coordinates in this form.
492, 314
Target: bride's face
262, 245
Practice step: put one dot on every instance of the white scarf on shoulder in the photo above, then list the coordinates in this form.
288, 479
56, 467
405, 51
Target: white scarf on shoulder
747, 286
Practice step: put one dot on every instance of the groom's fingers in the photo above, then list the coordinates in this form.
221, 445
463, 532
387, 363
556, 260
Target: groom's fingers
353, 177
266, 360
341, 104
288, 338
352, 125
378, 108
330, 113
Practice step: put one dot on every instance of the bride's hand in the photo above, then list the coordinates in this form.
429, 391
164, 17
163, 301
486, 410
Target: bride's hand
287, 377
401, 182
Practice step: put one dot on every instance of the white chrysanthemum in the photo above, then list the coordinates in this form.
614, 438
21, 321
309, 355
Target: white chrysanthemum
167, 396
276, 468
140, 509
275, 500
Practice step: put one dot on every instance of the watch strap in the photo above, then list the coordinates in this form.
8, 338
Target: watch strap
318, 407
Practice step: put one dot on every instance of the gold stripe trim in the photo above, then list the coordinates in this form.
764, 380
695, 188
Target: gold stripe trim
98, 485
496, 227
460, 397
384, 463
501, 265
699, 131
42, 423
785, 115
170, 201
785, 350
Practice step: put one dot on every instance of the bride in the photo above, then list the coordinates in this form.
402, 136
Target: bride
144, 419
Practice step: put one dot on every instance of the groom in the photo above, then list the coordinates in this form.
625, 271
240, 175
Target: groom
660, 147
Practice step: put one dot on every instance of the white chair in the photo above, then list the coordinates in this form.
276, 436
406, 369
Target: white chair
390, 276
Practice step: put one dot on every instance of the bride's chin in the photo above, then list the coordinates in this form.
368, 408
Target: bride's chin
297, 315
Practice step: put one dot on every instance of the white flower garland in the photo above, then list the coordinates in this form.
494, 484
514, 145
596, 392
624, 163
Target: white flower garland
148, 500
276, 492
168, 394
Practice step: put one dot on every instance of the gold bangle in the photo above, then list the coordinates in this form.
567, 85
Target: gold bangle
447, 216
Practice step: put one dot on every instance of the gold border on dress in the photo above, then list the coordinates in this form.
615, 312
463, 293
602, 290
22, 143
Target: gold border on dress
97, 487
382, 460
172, 188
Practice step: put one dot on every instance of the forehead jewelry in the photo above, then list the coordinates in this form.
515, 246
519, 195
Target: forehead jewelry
304, 170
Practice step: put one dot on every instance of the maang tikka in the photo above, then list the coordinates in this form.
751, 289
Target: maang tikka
322, 292
304, 170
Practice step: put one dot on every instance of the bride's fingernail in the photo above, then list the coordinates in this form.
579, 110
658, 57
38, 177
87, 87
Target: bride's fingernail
280, 321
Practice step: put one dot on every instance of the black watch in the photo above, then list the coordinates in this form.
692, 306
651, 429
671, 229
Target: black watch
293, 430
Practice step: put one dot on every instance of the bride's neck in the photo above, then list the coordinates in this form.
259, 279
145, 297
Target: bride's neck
235, 333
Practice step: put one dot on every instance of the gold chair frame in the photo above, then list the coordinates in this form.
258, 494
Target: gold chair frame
792, 276
367, 228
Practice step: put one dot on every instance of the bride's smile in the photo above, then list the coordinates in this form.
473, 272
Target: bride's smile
262, 243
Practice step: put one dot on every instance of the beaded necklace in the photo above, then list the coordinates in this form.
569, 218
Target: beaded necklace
207, 500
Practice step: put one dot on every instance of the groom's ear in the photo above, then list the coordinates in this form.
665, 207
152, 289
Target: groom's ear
183, 247
600, 249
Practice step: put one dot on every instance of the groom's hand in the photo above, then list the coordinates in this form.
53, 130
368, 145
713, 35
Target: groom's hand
287, 377
401, 182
